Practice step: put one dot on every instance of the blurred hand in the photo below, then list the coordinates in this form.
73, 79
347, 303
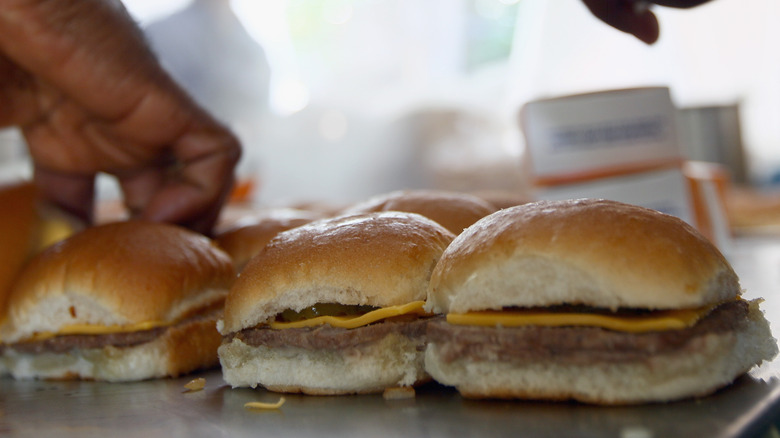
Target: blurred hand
634, 16
89, 96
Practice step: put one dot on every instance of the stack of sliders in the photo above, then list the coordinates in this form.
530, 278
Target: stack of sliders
453, 210
246, 236
334, 306
117, 302
589, 300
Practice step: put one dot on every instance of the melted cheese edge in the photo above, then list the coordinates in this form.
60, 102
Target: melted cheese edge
354, 321
655, 321
93, 329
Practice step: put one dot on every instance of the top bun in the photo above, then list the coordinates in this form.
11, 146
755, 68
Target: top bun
375, 259
453, 210
585, 252
247, 236
117, 274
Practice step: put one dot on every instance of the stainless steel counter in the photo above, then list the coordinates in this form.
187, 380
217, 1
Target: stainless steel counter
162, 408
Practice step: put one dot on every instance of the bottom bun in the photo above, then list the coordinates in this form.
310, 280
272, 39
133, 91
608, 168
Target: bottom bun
368, 368
180, 349
722, 358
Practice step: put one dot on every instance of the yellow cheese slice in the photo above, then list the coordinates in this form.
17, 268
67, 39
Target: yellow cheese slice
353, 321
655, 321
54, 230
92, 329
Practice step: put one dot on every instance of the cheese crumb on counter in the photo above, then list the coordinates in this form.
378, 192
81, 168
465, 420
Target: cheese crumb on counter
261, 405
195, 384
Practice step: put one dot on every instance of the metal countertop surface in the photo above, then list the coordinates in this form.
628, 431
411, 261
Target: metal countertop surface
163, 408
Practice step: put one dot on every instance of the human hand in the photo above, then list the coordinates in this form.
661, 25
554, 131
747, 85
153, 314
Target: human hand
89, 96
635, 16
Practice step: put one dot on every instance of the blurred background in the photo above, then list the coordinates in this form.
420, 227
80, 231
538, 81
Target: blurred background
336, 100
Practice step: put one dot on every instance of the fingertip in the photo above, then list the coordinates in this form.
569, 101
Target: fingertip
72, 193
185, 205
646, 28
634, 18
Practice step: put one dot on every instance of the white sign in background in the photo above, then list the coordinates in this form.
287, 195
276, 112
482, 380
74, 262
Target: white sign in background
590, 132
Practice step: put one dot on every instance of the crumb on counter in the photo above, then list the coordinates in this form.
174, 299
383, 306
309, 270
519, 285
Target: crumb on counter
195, 384
636, 432
398, 393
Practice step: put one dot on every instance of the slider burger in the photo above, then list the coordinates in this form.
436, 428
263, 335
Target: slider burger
589, 300
334, 306
118, 302
453, 210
